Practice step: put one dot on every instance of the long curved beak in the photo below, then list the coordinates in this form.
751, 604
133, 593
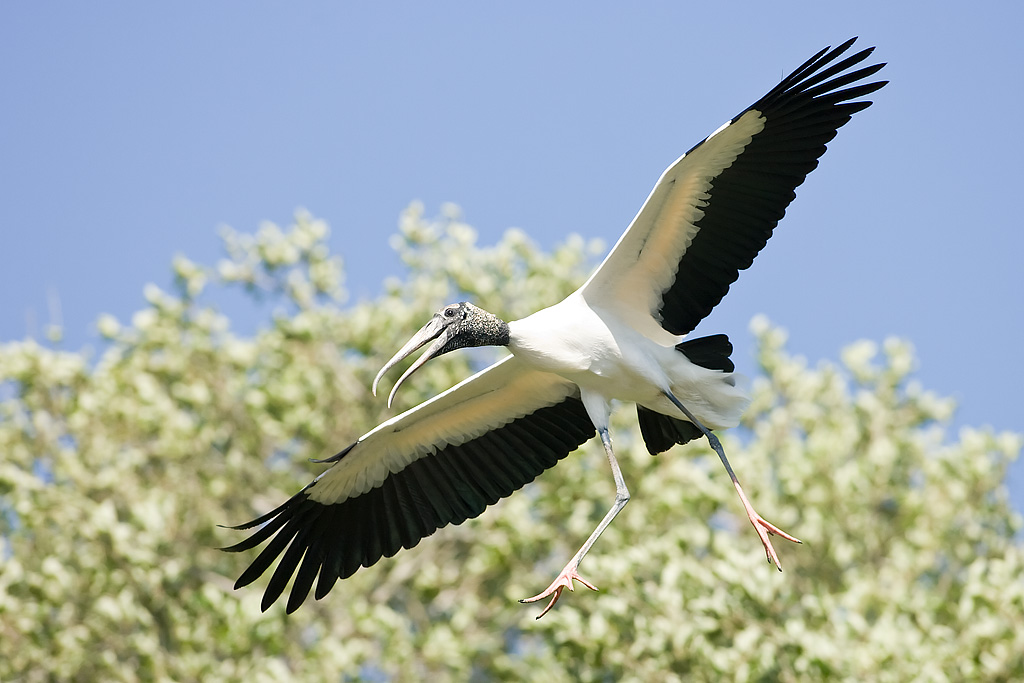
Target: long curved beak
434, 329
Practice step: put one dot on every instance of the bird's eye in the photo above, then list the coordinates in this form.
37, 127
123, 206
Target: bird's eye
450, 312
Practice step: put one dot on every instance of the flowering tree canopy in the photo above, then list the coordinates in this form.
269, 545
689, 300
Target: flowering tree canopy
116, 471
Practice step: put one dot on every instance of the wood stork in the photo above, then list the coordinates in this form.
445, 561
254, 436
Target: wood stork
617, 337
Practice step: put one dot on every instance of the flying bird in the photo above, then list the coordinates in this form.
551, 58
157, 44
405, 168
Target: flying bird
619, 336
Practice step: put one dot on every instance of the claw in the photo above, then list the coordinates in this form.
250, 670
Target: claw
765, 529
562, 581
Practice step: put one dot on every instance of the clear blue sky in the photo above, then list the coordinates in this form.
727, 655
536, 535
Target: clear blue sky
130, 131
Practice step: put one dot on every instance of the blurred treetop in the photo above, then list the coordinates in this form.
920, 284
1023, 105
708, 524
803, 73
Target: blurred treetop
116, 470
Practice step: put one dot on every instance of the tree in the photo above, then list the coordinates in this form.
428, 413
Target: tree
117, 470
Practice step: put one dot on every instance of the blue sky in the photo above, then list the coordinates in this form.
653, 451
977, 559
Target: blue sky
130, 131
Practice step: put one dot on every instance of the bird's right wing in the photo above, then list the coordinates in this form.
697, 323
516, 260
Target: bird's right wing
439, 463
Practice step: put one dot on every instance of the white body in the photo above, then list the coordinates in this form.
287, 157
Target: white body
609, 359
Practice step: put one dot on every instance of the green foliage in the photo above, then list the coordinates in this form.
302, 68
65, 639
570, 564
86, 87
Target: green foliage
116, 472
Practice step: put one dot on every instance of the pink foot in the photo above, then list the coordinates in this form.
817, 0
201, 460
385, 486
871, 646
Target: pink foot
562, 581
764, 529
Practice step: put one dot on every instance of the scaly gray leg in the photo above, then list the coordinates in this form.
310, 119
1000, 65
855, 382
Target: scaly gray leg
762, 526
570, 572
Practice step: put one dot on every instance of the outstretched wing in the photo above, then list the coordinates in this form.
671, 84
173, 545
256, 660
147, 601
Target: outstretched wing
439, 463
714, 209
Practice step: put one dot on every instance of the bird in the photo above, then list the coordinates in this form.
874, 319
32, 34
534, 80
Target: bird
621, 337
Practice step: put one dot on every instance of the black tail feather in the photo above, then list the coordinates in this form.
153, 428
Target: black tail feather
662, 432
709, 352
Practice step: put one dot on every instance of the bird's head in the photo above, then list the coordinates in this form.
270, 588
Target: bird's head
453, 327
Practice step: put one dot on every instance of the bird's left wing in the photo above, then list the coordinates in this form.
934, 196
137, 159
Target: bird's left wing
714, 209
439, 463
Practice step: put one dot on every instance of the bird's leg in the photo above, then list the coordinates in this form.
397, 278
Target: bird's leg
763, 527
570, 572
